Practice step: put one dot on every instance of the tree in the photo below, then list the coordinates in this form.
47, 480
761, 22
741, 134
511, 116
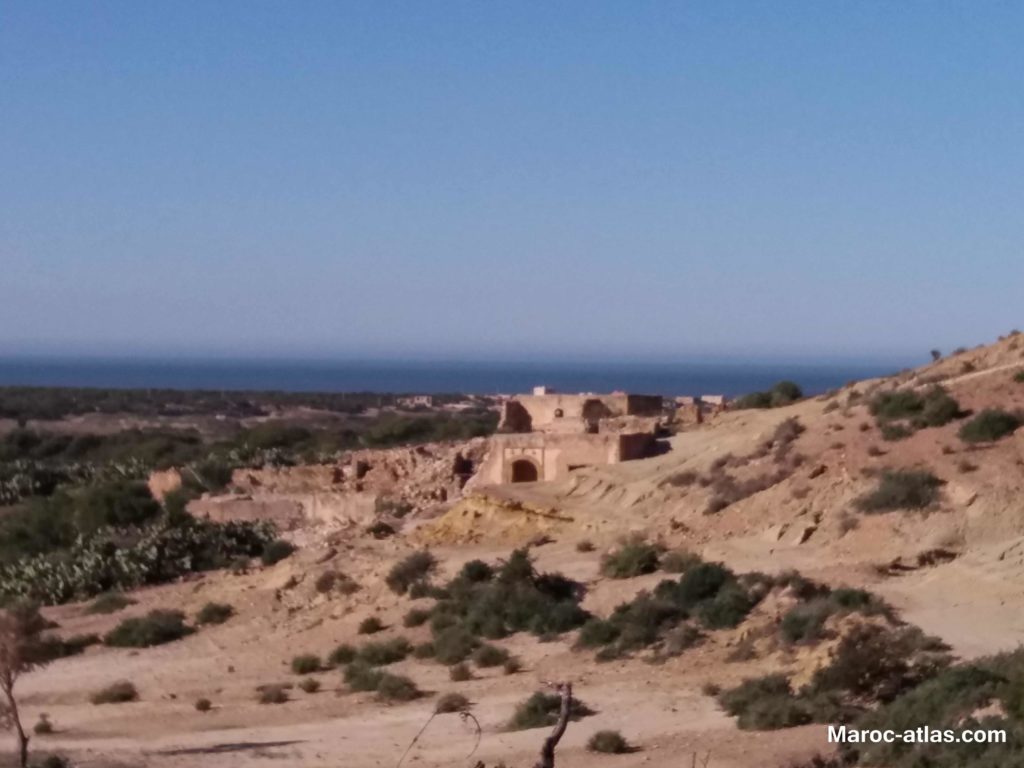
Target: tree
20, 652
936, 355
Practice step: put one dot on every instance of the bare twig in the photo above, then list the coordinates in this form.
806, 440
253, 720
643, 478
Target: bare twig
547, 751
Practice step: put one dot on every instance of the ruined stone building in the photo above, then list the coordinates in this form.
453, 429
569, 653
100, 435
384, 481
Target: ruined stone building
546, 435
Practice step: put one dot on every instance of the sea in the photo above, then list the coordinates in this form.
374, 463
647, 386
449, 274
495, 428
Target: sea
662, 378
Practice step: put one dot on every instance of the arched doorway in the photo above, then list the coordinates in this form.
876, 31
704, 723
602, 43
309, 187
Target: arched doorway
524, 471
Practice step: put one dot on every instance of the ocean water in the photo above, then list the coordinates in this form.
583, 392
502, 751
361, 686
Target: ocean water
734, 378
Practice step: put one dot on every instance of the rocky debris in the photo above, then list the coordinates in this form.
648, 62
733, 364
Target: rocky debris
404, 480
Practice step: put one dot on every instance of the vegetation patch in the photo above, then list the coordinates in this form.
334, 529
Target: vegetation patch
214, 613
871, 664
900, 413
451, 702
306, 664
901, 489
397, 688
109, 602
416, 568
496, 602
609, 743
805, 622
343, 654
488, 655
384, 652
990, 425
272, 694
125, 559
541, 710
155, 628
309, 684
120, 692
783, 393
371, 625
416, 617
710, 593
276, 551
633, 557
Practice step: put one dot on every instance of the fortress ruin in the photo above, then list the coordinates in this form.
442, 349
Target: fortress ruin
546, 435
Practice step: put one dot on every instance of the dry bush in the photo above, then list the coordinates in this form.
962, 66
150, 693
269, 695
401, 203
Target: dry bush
272, 694
451, 702
203, 705
371, 625
459, 673
116, 693
609, 743
633, 557
306, 663
214, 613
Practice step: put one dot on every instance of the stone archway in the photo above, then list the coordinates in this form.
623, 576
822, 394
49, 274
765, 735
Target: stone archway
524, 471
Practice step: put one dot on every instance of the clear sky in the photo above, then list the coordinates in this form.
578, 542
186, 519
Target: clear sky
510, 179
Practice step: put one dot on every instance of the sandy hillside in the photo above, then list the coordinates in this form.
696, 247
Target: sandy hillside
956, 570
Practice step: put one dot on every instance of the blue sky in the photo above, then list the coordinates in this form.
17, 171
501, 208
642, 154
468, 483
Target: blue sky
510, 179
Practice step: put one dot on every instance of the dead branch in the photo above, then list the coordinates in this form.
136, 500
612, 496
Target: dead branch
547, 751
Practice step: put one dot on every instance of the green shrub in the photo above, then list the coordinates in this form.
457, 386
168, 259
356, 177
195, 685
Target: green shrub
804, 622
597, 632
116, 693
894, 431
679, 561
214, 613
343, 654
310, 684
109, 602
397, 688
681, 638
454, 644
901, 489
416, 617
511, 665
155, 628
634, 557
360, 677
50, 648
385, 652
276, 551
43, 726
765, 703
451, 702
783, 393
272, 694
117, 504
878, 664
306, 663
989, 425
490, 656
727, 608
585, 545
459, 673
953, 699
609, 743
476, 571
541, 710
417, 567
1019, 377
203, 705
424, 651
371, 625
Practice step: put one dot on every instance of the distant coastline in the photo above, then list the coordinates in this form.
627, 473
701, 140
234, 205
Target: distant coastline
425, 377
